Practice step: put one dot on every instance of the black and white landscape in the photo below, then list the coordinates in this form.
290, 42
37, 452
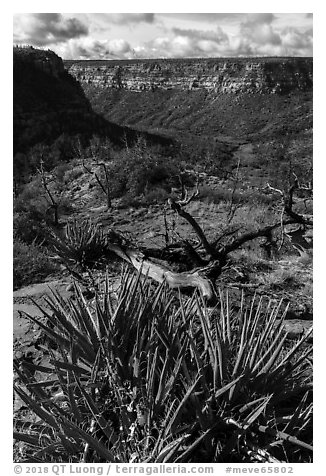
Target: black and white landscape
163, 222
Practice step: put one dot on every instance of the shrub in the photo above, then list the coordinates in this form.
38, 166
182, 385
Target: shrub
281, 279
73, 174
32, 201
149, 172
212, 195
145, 377
251, 261
31, 264
65, 206
156, 195
28, 229
141, 168
153, 196
61, 171
84, 244
33, 206
253, 197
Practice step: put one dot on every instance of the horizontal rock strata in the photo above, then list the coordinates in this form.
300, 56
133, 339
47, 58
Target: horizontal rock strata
247, 75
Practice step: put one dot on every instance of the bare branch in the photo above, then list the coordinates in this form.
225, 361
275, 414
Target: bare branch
251, 235
288, 203
288, 207
105, 188
54, 203
282, 230
307, 187
233, 208
177, 207
275, 189
224, 234
88, 170
184, 195
190, 250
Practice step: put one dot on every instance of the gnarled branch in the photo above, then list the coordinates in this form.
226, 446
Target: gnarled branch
175, 206
160, 273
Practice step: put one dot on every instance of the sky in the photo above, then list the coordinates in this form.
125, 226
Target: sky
166, 35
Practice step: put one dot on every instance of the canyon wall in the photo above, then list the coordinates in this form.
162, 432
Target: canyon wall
220, 75
43, 60
47, 101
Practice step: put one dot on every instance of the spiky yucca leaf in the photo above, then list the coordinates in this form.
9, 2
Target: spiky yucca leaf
146, 376
84, 244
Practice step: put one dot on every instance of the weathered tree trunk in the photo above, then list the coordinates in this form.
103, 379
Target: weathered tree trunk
55, 214
175, 206
201, 278
105, 188
159, 272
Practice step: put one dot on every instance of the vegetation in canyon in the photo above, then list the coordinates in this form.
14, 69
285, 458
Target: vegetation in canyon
201, 193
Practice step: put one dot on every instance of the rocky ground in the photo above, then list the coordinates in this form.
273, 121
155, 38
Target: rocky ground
287, 277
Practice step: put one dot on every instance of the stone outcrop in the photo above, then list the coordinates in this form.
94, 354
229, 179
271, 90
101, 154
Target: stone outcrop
48, 101
220, 75
44, 60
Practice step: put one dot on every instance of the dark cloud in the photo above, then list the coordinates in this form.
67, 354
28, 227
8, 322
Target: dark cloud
129, 18
42, 29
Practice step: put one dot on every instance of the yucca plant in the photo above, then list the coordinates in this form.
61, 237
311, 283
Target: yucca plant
84, 244
145, 376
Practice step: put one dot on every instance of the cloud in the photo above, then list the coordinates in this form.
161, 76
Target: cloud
88, 48
178, 47
256, 35
193, 43
42, 29
295, 40
205, 17
218, 36
165, 47
253, 19
129, 18
184, 43
258, 30
115, 35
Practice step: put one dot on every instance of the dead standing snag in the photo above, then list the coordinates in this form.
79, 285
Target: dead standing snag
54, 205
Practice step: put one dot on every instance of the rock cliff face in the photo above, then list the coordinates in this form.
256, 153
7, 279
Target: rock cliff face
220, 75
48, 101
46, 61
50, 105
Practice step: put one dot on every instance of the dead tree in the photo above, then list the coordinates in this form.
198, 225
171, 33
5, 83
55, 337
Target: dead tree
300, 240
206, 258
288, 201
54, 204
305, 221
186, 264
194, 278
105, 184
